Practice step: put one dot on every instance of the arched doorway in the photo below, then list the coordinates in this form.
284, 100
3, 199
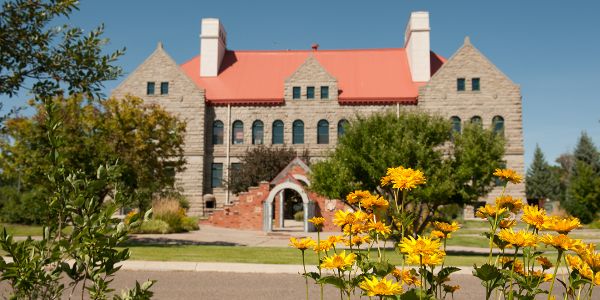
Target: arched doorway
308, 206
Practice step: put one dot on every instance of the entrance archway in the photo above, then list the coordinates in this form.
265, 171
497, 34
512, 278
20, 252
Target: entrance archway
308, 206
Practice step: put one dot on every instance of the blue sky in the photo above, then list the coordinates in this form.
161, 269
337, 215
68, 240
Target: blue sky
549, 48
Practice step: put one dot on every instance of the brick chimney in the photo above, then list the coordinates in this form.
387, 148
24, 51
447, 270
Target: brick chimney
213, 43
416, 42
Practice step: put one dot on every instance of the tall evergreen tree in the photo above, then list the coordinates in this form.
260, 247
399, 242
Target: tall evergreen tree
540, 182
583, 193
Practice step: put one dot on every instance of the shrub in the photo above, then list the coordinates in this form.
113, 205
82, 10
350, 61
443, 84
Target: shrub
170, 211
189, 223
154, 226
299, 216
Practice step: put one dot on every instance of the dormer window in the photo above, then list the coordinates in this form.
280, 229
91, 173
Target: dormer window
324, 92
164, 88
460, 84
296, 92
310, 92
475, 84
150, 88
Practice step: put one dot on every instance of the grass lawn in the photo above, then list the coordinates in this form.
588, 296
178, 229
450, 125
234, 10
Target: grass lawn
22, 230
264, 255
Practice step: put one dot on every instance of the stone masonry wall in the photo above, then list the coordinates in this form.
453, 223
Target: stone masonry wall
185, 100
498, 96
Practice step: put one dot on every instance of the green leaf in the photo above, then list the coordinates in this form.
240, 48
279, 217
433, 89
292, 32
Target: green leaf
486, 272
333, 280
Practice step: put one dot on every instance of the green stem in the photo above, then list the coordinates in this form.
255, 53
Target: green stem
305, 278
319, 257
560, 251
512, 273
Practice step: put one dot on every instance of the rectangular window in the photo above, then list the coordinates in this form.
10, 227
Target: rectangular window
475, 84
164, 88
460, 84
217, 175
310, 92
324, 92
150, 88
296, 92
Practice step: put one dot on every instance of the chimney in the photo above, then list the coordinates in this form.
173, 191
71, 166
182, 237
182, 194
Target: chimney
416, 43
213, 43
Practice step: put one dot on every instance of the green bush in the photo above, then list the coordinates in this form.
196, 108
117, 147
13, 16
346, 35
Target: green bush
189, 223
153, 226
299, 216
21, 207
170, 211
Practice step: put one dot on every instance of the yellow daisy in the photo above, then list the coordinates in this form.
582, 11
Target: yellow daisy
383, 287
489, 211
302, 244
561, 242
562, 225
508, 175
518, 239
338, 261
534, 216
403, 178
514, 205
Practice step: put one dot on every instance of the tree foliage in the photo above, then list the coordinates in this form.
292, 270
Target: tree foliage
145, 140
261, 164
50, 57
88, 257
582, 197
541, 182
458, 167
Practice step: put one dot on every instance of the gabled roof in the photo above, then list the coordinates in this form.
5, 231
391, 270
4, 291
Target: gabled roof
257, 77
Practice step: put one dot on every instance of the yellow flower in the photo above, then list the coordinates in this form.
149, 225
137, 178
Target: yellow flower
489, 211
438, 234
446, 228
317, 221
408, 277
302, 244
334, 239
562, 226
403, 179
323, 246
358, 240
383, 287
544, 262
574, 262
514, 205
354, 228
518, 239
508, 175
419, 246
374, 202
432, 260
379, 228
548, 277
357, 196
342, 218
561, 242
592, 259
338, 261
534, 216
507, 223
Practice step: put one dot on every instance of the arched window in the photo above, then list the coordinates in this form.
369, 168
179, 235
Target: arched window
237, 135
323, 132
342, 124
217, 133
498, 125
456, 124
298, 132
257, 132
277, 134
477, 121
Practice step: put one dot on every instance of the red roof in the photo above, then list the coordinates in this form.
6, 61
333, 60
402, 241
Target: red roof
364, 76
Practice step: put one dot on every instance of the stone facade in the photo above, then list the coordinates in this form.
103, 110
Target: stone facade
183, 99
497, 96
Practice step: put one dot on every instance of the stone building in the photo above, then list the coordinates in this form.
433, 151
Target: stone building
233, 99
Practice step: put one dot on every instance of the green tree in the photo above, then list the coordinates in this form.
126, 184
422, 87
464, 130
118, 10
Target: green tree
88, 256
583, 192
541, 183
145, 140
458, 167
261, 164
